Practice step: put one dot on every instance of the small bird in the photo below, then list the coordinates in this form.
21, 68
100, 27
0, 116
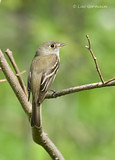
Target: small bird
41, 75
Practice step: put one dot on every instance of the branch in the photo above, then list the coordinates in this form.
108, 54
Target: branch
41, 138
10, 56
18, 74
14, 84
81, 88
94, 58
3, 80
110, 82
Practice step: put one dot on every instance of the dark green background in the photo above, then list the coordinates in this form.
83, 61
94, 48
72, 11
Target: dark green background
82, 125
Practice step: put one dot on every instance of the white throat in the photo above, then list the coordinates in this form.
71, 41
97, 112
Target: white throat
53, 52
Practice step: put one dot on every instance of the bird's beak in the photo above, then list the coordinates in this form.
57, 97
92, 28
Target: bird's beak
61, 44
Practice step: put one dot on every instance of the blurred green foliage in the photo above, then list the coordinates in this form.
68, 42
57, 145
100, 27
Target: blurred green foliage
80, 124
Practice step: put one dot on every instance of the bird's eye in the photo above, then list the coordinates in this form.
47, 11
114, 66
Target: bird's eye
52, 45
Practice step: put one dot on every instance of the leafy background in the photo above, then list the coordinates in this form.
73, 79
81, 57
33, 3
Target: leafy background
82, 125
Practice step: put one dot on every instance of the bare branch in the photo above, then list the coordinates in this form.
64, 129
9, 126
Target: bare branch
94, 58
14, 84
10, 56
80, 88
41, 138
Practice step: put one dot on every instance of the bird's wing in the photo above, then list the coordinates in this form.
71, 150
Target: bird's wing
47, 78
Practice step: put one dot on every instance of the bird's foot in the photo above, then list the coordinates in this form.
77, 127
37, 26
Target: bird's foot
53, 92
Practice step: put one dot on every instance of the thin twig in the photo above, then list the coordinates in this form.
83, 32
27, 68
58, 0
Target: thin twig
10, 56
18, 74
110, 80
95, 60
3, 80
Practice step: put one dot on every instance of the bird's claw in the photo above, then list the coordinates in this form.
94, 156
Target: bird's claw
53, 92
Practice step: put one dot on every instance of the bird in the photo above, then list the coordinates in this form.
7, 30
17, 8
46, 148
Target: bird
42, 72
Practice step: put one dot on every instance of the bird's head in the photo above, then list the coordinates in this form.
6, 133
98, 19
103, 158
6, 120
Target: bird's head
50, 47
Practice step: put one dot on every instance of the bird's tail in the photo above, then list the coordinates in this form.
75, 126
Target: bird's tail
36, 114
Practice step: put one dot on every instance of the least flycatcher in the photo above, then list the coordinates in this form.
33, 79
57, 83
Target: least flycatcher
42, 73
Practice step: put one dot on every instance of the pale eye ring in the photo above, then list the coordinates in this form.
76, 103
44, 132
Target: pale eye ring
52, 45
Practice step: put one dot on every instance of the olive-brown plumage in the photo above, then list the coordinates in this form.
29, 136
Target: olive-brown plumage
42, 73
